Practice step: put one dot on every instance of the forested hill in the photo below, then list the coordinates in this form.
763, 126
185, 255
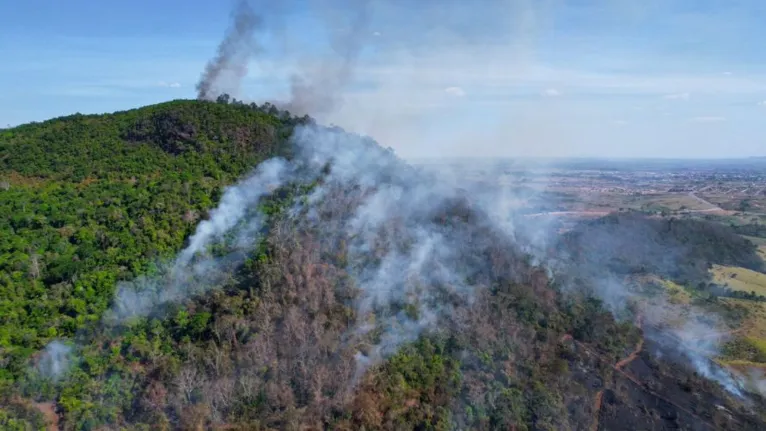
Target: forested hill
359, 294
185, 139
91, 199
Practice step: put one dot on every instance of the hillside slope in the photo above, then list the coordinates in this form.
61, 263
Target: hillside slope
94, 199
344, 291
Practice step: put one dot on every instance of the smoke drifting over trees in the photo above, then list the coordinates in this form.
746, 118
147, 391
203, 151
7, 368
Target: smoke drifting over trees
334, 263
333, 255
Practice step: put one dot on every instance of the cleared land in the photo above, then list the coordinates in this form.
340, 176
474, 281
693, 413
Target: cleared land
749, 200
647, 202
740, 279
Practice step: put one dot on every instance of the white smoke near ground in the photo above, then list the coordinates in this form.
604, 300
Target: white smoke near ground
699, 343
693, 334
411, 267
682, 331
55, 360
398, 260
410, 270
403, 263
195, 270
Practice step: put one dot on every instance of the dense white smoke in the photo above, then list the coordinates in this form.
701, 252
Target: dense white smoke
55, 360
411, 271
195, 270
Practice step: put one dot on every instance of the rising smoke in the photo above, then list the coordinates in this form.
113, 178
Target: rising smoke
315, 87
317, 90
55, 360
225, 71
195, 270
402, 256
417, 249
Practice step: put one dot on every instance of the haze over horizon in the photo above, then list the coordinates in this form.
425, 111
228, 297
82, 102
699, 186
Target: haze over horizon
502, 78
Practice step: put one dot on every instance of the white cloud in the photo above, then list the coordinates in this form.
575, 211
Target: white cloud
620, 123
727, 73
762, 103
376, 33
551, 92
455, 91
708, 119
169, 84
677, 96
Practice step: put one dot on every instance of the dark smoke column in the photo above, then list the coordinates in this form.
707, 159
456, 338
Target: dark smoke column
233, 52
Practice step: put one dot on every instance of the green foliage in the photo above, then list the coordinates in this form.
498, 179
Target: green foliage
749, 349
97, 199
94, 200
681, 250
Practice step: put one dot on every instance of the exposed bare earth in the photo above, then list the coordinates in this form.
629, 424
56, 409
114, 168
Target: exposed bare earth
49, 412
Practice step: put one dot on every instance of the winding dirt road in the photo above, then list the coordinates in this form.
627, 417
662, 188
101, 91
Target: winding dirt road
619, 366
639, 346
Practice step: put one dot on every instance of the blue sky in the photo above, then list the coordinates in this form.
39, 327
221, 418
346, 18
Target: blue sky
618, 78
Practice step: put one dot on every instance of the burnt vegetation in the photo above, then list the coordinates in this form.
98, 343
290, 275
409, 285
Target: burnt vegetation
97, 199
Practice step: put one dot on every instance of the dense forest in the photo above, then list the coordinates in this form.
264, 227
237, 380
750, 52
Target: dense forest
751, 229
95, 201
679, 249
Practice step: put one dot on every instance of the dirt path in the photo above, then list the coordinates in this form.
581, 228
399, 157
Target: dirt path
618, 367
597, 408
634, 354
713, 207
49, 412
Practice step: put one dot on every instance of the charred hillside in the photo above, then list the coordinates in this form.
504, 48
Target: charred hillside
202, 265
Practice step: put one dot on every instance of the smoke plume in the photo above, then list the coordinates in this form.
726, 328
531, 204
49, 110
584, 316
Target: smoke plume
317, 90
195, 269
420, 245
55, 360
315, 86
232, 56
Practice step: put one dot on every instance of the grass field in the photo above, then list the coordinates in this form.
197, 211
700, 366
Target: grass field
668, 303
742, 321
676, 293
614, 201
740, 279
668, 202
748, 345
757, 204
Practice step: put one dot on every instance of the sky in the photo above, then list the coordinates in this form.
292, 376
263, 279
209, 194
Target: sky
486, 78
